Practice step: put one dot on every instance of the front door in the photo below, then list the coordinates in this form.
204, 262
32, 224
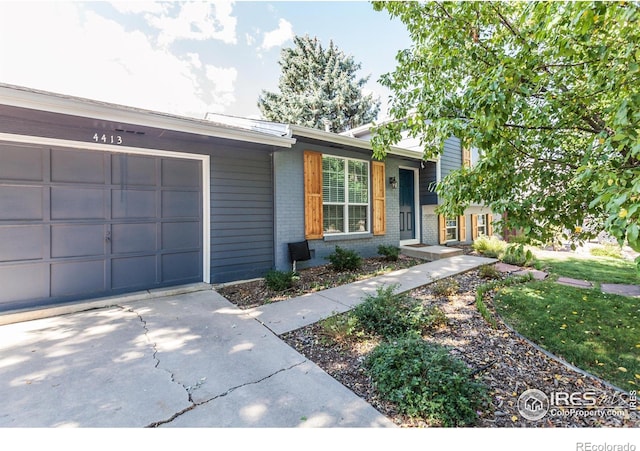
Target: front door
407, 205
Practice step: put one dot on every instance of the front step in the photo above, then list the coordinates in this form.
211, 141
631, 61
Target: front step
430, 253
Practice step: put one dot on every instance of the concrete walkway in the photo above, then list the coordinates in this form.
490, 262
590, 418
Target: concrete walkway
188, 359
292, 314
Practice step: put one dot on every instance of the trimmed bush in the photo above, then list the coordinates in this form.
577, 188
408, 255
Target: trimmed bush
279, 280
391, 315
489, 246
445, 287
488, 272
424, 380
340, 328
390, 253
517, 254
345, 259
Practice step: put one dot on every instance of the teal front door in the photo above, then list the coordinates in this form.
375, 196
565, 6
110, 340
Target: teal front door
406, 187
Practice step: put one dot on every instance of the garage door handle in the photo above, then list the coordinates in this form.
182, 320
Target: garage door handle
108, 237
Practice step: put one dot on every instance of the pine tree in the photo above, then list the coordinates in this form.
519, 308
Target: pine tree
319, 89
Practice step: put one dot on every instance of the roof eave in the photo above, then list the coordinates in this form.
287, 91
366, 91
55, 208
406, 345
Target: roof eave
298, 130
75, 106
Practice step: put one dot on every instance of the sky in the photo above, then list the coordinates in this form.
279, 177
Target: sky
184, 58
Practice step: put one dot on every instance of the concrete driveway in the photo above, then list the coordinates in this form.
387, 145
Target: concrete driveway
190, 360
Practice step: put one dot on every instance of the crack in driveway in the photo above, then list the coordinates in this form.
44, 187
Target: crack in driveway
189, 389
229, 391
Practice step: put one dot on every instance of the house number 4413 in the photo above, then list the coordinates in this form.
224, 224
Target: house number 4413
107, 139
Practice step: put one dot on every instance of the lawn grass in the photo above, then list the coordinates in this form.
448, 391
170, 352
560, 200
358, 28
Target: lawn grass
597, 332
596, 269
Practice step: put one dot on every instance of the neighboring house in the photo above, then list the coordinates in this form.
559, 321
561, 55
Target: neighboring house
99, 199
436, 229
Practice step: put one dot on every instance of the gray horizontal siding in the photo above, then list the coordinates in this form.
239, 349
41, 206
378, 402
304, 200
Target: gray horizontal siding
241, 215
451, 158
428, 178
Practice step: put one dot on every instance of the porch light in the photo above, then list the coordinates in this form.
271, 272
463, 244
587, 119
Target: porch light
393, 182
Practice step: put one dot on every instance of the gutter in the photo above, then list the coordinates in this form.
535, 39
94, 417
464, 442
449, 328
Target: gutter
23, 97
321, 135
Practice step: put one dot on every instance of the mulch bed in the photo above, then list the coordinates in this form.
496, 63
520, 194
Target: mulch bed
255, 293
507, 364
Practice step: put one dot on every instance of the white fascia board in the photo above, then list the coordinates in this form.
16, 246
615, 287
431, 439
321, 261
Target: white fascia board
321, 135
76, 106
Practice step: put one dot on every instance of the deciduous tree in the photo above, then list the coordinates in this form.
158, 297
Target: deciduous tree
549, 94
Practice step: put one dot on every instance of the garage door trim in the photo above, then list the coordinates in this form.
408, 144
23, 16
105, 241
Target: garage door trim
205, 159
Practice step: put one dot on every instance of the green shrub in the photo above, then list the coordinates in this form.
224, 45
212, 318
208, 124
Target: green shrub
391, 315
489, 246
341, 328
488, 272
280, 280
345, 259
425, 381
608, 250
445, 287
390, 253
517, 254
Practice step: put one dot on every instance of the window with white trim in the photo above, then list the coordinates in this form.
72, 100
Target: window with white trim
452, 229
482, 225
345, 195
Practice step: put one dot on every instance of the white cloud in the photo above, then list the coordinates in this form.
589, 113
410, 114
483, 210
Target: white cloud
138, 7
279, 36
83, 54
197, 21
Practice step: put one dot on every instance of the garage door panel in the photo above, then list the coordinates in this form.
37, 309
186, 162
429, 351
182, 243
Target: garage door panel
77, 278
181, 235
181, 173
133, 204
180, 204
24, 282
22, 243
77, 224
133, 170
181, 266
77, 166
21, 203
21, 163
133, 272
77, 203
129, 238
77, 240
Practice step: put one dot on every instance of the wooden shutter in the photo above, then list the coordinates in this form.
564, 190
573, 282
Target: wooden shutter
312, 195
462, 228
489, 225
474, 227
442, 226
466, 157
379, 198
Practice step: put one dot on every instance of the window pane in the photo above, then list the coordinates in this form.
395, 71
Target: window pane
332, 179
358, 218
358, 182
333, 218
452, 229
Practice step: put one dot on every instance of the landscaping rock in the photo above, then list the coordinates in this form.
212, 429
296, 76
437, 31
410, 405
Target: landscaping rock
503, 267
574, 282
624, 290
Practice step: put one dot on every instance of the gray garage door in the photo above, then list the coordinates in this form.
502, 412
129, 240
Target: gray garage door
78, 224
